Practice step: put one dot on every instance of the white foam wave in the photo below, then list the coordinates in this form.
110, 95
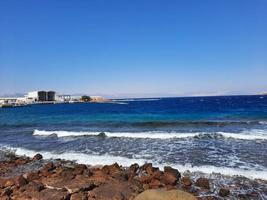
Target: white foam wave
251, 135
245, 135
107, 159
208, 169
80, 158
151, 134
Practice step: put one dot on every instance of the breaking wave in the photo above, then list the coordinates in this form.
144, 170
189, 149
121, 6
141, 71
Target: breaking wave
254, 134
107, 159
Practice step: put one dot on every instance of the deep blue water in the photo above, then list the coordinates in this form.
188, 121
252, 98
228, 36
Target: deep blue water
203, 132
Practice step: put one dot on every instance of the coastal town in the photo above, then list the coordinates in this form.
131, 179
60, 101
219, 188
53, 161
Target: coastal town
48, 97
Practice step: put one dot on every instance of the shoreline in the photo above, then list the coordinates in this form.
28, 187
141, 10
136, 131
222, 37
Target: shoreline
23, 177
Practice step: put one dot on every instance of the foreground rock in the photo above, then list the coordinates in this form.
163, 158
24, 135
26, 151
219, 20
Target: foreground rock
165, 195
66, 180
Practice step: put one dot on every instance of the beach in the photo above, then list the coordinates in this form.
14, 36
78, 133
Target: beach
36, 178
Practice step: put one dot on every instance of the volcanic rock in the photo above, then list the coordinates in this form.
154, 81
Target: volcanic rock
37, 157
111, 169
170, 176
20, 181
224, 192
203, 183
186, 181
165, 195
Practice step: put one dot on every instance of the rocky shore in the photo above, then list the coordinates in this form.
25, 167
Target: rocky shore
35, 178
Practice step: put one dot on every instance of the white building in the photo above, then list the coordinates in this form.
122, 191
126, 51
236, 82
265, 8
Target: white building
41, 96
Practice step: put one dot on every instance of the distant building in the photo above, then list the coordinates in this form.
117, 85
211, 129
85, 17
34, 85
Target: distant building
63, 98
51, 96
41, 96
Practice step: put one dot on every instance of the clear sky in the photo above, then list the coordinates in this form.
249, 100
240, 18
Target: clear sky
134, 47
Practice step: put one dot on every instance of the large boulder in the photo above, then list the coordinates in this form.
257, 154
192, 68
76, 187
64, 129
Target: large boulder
165, 195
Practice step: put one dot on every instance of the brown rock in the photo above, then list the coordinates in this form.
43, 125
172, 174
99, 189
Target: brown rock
157, 174
136, 186
145, 179
148, 168
7, 192
20, 181
155, 184
165, 195
111, 169
4, 198
79, 169
79, 196
9, 182
111, 191
132, 171
37, 157
172, 171
134, 167
170, 176
49, 166
207, 198
224, 192
31, 176
51, 194
186, 181
20, 161
203, 183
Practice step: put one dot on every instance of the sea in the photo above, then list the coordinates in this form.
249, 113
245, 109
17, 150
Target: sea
225, 134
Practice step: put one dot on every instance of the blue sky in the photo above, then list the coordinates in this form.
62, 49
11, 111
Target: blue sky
134, 48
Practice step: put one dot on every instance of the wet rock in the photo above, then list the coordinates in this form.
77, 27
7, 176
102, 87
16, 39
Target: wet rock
111, 169
203, 183
186, 181
37, 157
20, 181
134, 167
102, 134
224, 192
131, 172
172, 171
207, 198
165, 195
170, 176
